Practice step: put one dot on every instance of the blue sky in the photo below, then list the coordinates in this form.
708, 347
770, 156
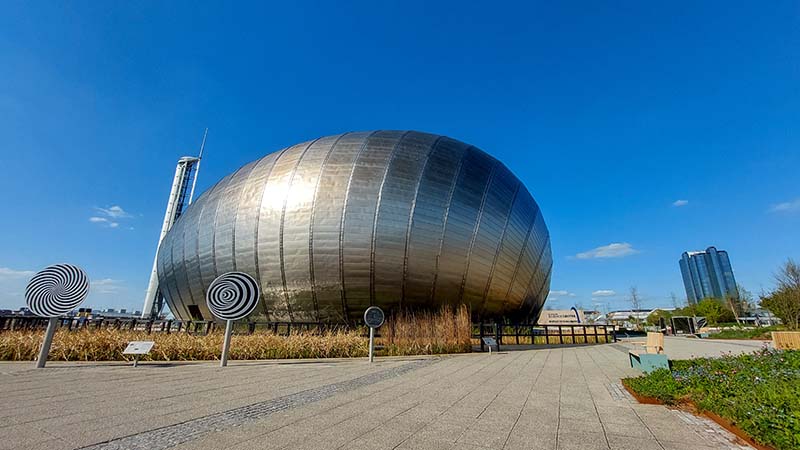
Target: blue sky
649, 128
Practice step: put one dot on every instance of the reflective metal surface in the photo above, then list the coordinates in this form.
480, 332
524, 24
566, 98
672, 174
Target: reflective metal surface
388, 218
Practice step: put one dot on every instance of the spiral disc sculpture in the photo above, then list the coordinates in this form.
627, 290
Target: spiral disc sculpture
232, 295
57, 290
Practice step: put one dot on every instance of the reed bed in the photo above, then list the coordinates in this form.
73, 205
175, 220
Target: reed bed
424, 333
107, 345
445, 331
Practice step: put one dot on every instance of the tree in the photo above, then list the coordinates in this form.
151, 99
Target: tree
784, 301
653, 319
745, 299
636, 304
734, 307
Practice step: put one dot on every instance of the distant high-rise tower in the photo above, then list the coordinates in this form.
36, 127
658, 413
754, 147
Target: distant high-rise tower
187, 166
708, 274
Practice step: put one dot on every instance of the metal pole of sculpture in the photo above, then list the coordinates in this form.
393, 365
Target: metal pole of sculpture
48, 340
56, 290
226, 343
231, 296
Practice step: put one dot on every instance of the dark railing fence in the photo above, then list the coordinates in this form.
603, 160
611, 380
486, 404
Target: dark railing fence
504, 334
531, 334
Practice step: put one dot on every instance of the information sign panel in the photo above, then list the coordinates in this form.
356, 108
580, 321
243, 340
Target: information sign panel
138, 348
374, 317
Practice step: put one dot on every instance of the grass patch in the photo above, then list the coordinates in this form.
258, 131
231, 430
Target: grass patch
762, 333
759, 392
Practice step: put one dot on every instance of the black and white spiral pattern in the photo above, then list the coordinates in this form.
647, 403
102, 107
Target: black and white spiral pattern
232, 295
56, 290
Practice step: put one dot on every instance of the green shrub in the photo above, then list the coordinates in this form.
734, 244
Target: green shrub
758, 392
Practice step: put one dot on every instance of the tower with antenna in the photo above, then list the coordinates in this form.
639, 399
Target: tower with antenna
187, 169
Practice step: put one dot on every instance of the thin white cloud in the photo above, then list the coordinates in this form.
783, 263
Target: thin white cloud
790, 206
603, 293
115, 211
5, 272
679, 203
561, 293
106, 286
613, 250
109, 217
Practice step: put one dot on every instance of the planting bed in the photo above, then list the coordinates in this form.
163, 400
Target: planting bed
757, 394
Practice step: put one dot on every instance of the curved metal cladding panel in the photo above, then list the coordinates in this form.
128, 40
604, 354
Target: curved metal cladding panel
398, 219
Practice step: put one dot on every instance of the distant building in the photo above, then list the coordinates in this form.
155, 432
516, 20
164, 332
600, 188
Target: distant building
708, 274
111, 313
629, 318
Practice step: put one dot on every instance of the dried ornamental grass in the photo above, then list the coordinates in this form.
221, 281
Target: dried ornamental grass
445, 331
417, 333
107, 345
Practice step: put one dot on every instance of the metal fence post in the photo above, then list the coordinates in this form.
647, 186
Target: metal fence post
480, 336
498, 332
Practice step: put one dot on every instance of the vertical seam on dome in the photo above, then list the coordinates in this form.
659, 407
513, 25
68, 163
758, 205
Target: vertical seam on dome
536, 298
197, 236
223, 191
185, 270
280, 235
172, 278
216, 190
176, 289
499, 246
533, 275
476, 229
392, 156
519, 258
541, 288
236, 214
445, 217
311, 276
342, 289
258, 219
410, 223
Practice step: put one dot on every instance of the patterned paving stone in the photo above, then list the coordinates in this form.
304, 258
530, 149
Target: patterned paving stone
166, 437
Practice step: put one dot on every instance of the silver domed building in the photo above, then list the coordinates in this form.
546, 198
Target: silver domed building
398, 219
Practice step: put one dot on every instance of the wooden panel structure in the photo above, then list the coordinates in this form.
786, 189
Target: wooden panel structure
655, 343
786, 340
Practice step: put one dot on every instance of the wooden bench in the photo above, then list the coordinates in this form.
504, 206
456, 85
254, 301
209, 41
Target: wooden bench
652, 357
786, 340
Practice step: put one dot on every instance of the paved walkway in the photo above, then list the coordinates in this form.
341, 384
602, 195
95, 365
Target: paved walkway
564, 398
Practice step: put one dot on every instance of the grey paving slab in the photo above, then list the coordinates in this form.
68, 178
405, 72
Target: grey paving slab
554, 398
